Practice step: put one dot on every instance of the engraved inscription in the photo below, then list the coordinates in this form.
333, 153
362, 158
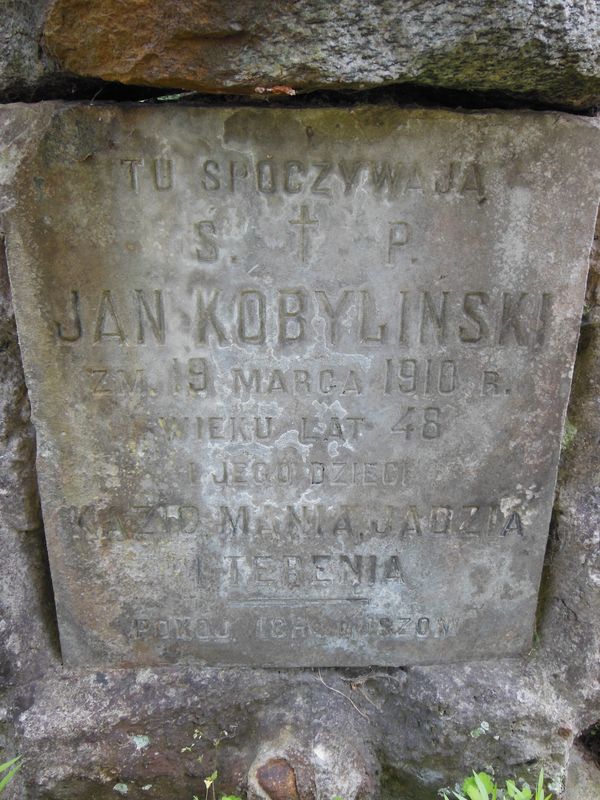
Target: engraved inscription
256, 317
325, 178
298, 376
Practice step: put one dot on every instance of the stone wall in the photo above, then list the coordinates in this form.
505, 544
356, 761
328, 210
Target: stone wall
302, 733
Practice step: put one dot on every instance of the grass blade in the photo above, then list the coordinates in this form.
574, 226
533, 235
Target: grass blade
482, 789
8, 777
7, 764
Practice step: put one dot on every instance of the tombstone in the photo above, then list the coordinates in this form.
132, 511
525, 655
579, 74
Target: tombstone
298, 377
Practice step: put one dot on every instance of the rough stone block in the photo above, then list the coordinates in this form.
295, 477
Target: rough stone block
22, 67
545, 52
84, 731
549, 52
298, 342
583, 778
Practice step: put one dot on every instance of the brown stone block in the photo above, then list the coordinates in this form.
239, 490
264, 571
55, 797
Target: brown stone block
551, 54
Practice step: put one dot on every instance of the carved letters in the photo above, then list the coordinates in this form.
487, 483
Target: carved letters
298, 375
254, 317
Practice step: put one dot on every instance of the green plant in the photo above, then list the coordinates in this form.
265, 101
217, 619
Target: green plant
8, 770
210, 783
481, 786
211, 780
525, 793
478, 787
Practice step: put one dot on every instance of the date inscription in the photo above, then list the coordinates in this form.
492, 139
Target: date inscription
298, 375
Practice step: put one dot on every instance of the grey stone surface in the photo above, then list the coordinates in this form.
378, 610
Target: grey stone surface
288, 342
583, 778
28, 633
23, 66
77, 727
571, 601
415, 731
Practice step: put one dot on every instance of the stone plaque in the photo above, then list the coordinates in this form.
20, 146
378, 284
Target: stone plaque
298, 376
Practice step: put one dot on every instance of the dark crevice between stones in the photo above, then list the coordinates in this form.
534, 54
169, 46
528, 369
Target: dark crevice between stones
397, 783
46, 597
589, 740
545, 597
589, 320
73, 88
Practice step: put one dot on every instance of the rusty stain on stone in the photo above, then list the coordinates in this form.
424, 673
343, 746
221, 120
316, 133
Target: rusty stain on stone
278, 779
